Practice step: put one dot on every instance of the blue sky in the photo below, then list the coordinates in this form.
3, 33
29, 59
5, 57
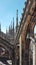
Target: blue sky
8, 11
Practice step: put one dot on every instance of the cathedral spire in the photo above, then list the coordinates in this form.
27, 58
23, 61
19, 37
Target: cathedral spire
13, 27
0, 26
6, 30
16, 20
9, 28
13, 23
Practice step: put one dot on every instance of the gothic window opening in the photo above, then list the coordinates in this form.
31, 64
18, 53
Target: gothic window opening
35, 9
35, 31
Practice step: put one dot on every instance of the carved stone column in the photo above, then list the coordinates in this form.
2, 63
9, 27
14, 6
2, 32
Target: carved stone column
34, 54
20, 50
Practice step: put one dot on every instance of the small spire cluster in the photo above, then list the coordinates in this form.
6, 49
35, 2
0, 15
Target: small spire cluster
11, 28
